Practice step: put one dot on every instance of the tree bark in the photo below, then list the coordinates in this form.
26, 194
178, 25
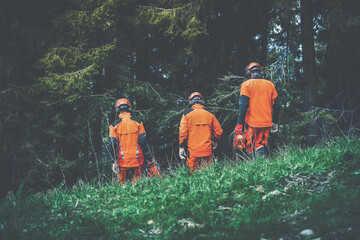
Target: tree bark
68, 144
308, 52
264, 13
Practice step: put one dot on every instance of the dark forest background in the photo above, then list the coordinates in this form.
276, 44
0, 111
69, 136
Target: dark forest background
63, 63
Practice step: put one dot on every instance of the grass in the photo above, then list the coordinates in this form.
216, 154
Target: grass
316, 188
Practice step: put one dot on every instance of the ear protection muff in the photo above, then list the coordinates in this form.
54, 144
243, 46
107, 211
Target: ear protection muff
247, 72
196, 100
123, 108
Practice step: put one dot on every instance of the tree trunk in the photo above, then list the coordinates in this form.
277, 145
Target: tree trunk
264, 12
308, 52
312, 134
68, 143
86, 145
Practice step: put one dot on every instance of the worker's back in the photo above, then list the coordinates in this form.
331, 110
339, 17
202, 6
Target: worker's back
127, 130
261, 93
200, 125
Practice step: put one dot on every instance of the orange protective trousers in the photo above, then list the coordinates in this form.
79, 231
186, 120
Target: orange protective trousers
256, 138
194, 163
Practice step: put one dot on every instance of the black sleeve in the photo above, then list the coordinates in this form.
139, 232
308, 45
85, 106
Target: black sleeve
243, 107
276, 108
113, 146
183, 144
145, 148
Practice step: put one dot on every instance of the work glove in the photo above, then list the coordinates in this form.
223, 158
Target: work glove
274, 128
214, 145
238, 129
115, 168
182, 153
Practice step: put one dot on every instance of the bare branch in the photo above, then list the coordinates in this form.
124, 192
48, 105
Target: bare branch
96, 159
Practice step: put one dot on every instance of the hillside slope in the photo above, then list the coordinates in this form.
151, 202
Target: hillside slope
316, 189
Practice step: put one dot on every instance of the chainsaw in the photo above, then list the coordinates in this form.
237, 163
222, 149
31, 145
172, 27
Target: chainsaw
237, 141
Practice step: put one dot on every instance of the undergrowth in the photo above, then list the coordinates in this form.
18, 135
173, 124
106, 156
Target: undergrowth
316, 188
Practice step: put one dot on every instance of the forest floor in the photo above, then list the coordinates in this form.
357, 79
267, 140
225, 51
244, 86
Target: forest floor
299, 193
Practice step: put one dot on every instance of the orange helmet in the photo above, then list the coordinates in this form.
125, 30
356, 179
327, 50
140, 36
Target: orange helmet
122, 103
196, 98
250, 66
195, 94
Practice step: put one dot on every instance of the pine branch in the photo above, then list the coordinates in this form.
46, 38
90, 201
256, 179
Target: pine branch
165, 9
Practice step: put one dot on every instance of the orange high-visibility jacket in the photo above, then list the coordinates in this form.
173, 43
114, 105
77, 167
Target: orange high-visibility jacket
261, 94
126, 130
196, 129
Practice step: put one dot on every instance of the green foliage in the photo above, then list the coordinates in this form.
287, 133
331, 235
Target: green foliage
182, 21
313, 188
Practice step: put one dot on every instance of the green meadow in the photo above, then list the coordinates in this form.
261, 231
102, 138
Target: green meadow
315, 189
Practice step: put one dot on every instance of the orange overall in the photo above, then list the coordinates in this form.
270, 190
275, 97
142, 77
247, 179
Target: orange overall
261, 94
126, 131
197, 126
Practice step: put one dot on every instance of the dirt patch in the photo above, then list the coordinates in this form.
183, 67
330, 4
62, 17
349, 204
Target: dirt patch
314, 182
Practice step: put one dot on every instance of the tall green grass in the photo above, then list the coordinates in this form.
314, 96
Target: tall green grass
316, 188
